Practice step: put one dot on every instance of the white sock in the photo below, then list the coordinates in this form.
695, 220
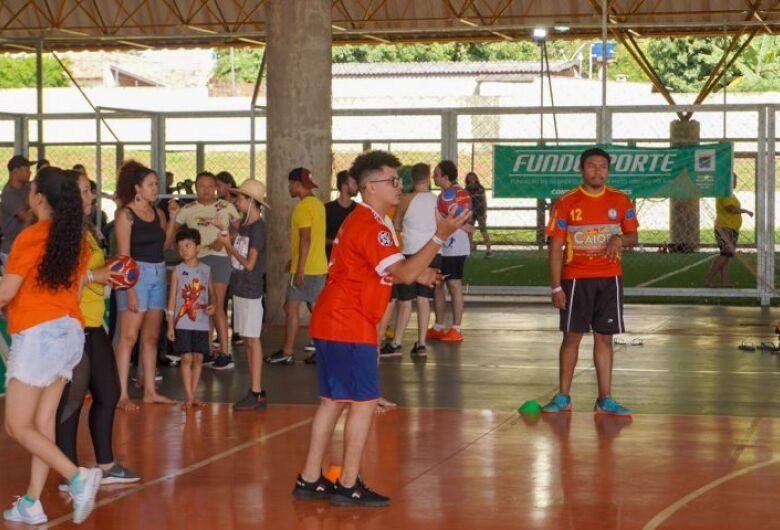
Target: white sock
438, 327
456, 328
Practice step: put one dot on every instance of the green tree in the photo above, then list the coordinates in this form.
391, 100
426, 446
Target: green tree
19, 72
246, 63
684, 64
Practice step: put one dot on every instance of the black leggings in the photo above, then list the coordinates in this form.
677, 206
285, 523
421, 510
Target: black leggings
97, 372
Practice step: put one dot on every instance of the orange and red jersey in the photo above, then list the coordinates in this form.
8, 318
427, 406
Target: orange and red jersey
586, 222
358, 287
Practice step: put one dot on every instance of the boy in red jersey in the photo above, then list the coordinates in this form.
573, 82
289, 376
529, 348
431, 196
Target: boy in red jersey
364, 263
591, 225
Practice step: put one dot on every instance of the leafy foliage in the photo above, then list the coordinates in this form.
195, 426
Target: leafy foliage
19, 72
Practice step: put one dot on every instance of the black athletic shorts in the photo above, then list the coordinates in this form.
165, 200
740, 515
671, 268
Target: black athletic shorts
406, 293
191, 341
452, 267
593, 304
726, 247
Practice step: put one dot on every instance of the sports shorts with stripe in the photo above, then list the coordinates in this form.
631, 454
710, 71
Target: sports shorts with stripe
593, 304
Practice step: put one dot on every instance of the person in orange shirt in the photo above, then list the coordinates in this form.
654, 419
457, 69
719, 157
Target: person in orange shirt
589, 227
364, 265
44, 275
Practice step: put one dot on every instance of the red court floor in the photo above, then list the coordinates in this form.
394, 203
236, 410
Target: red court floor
701, 451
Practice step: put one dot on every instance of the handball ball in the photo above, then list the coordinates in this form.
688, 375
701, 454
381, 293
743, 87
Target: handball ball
454, 198
124, 272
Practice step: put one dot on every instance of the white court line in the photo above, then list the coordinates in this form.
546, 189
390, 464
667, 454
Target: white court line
189, 469
506, 269
663, 515
678, 271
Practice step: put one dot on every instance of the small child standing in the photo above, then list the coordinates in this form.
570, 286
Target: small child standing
189, 308
248, 254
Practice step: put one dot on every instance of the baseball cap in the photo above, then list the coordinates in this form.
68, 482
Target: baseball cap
302, 175
18, 161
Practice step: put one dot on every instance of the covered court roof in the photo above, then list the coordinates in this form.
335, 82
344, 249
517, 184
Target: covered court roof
92, 24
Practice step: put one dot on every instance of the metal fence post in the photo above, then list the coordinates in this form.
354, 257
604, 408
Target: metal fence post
200, 157
449, 136
98, 170
252, 134
762, 222
120, 156
21, 136
158, 149
770, 205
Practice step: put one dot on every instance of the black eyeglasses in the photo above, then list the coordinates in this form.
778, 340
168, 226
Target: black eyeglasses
395, 181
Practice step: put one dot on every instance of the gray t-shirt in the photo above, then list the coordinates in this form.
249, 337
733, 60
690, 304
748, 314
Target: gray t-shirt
192, 297
244, 283
12, 202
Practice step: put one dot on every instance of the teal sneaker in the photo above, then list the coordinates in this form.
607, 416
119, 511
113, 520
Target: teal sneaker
607, 405
83, 492
119, 475
559, 403
24, 511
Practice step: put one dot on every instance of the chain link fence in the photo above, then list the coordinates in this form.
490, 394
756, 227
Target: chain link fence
224, 142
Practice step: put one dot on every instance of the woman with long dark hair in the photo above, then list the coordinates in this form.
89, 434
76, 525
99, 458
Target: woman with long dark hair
143, 234
41, 287
96, 371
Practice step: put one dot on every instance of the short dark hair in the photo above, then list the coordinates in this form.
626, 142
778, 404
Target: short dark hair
186, 233
342, 179
593, 151
448, 169
80, 168
371, 161
207, 174
421, 172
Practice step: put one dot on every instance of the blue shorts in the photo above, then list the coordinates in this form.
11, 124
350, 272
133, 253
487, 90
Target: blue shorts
347, 371
150, 289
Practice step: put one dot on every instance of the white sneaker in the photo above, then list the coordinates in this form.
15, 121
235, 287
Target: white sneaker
83, 493
309, 347
22, 512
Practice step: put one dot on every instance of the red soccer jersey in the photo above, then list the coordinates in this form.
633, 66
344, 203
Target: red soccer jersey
358, 288
587, 222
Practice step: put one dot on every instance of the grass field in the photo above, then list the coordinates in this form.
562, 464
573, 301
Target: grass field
640, 269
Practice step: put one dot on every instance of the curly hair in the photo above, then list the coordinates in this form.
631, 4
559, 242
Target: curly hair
57, 269
131, 174
371, 161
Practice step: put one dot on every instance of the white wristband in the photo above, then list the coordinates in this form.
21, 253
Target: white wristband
90, 277
436, 239
556, 290
169, 312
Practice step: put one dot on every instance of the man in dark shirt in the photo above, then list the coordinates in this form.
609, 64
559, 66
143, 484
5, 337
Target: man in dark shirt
336, 211
15, 211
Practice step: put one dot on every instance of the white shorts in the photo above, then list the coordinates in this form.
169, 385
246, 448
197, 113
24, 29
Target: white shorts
41, 354
248, 316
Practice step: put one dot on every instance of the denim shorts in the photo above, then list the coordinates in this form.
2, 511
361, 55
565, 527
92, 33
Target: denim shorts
150, 289
42, 353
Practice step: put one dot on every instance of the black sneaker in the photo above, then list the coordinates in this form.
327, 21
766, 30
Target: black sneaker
390, 350
419, 350
322, 488
236, 339
357, 495
223, 362
279, 357
311, 358
252, 402
209, 359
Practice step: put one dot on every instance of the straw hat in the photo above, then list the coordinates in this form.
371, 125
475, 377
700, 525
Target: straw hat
253, 189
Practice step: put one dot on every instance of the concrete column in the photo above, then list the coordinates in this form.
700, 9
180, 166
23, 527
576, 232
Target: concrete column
684, 213
299, 121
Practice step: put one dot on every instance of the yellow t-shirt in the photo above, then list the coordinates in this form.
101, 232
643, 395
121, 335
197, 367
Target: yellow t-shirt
93, 302
309, 213
725, 219
196, 215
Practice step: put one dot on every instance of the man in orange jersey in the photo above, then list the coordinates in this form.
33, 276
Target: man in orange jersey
364, 264
589, 227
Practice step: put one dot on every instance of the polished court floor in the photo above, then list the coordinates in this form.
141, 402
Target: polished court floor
702, 450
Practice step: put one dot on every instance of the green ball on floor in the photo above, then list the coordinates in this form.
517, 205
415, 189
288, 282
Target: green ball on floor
530, 407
